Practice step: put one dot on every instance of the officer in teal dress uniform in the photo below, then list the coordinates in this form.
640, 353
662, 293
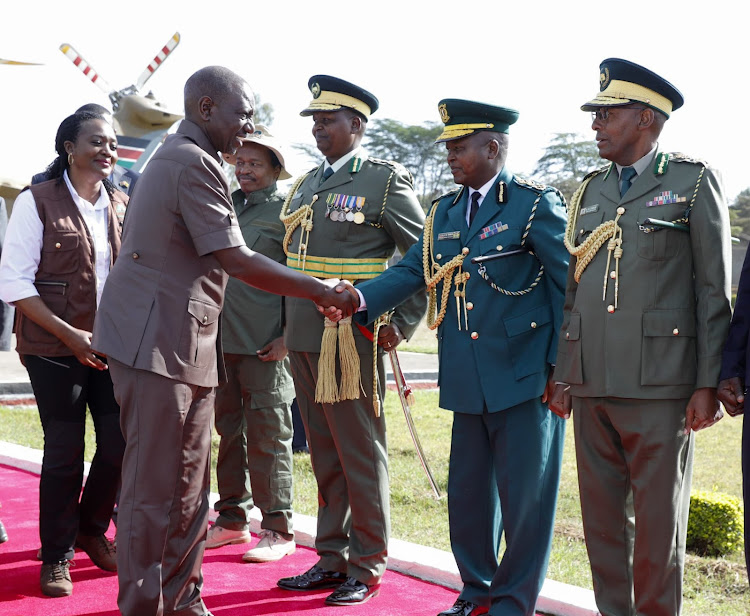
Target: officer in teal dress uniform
497, 321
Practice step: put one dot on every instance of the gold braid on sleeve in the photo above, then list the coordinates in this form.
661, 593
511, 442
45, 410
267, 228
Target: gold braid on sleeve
442, 273
301, 217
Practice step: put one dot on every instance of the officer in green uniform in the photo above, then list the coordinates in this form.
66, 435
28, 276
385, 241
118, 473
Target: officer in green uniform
497, 320
344, 220
252, 413
646, 313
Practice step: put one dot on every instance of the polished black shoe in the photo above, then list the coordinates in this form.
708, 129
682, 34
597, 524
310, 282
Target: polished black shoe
313, 579
3, 533
464, 608
352, 592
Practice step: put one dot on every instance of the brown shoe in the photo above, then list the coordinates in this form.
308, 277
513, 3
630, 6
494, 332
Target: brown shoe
101, 551
55, 579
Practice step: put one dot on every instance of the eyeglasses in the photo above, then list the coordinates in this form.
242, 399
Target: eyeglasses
602, 114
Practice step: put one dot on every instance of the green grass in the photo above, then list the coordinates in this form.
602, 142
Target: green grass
713, 587
424, 340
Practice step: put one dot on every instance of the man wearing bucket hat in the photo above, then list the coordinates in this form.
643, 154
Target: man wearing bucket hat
252, 413
495, 246
345, 219
646, 313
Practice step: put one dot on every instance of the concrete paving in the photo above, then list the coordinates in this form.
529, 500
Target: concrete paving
417, 368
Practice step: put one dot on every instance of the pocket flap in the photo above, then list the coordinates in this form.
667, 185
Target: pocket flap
60, 241
204, 312
574, 327
528, 321
669, 323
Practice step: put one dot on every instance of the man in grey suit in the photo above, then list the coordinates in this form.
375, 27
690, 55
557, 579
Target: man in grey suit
158, 323
645, 317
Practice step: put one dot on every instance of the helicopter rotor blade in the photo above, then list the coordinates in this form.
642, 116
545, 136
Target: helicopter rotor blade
85, 67
158, 59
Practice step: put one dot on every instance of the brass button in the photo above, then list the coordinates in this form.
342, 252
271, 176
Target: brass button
468, 275
610, 308
613, 274
676, 331
474, 335
567, 335
136, 255
533, 325
438, 256
464, 251
205, 319
620, 210
499, 247
469, 306
58, 245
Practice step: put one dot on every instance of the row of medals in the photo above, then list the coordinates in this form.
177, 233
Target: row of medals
345, 214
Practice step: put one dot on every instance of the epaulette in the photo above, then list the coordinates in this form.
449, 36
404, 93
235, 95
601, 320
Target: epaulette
591, 174
393, 165
530, 184
450, 193
684, 158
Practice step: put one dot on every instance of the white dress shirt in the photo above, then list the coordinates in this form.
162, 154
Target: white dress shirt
23, 243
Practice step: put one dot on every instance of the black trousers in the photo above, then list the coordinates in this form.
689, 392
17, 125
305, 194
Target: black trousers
64, 388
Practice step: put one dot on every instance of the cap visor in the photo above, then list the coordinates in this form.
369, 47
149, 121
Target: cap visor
606, 101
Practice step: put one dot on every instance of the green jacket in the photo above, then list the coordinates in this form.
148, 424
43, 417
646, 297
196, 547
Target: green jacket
665, 337
251, 318
393, 219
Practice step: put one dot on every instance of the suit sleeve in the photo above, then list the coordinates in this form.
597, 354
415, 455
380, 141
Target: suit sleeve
546, 240
403, 219
733, 360
711, 245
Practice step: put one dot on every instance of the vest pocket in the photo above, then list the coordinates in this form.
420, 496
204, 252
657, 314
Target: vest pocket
199, 330
60, 253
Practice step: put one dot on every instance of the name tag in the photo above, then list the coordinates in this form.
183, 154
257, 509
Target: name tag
449, 235
589, 210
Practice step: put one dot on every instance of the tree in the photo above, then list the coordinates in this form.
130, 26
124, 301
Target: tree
263, 112
566, 160
739, 213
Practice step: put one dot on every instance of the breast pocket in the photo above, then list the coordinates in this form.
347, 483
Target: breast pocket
668, 355
199, 331
60, 254
662, 243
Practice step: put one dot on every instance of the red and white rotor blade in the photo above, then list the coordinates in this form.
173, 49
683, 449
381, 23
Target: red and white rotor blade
158, 59
85, 67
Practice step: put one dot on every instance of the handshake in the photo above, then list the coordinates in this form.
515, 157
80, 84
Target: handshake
337, 300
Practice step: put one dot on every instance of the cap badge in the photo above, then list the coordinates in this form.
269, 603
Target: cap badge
444, 113
315, 89
604, 79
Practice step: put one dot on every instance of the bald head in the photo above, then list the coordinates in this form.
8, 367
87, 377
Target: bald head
215, 82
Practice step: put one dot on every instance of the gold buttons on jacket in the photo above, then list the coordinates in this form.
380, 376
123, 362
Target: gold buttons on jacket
610, 308
620, 210
438, 256
499, 247
58, 245
469, 306
533, 325
567, 335
464, 251
136, 255
676, 332
474, 335
205, 319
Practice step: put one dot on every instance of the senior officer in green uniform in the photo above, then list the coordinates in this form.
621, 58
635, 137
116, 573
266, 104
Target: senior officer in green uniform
344, 220
497, 326
253, 407
646, 313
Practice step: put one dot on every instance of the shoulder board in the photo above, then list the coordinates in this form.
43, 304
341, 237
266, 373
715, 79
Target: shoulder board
684, 158
450, 193
388, 163
531, 184
591, 174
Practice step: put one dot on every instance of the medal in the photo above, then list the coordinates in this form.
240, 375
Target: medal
359, 218
350, 216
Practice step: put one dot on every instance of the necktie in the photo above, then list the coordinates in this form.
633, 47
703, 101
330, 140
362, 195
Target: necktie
627, 175
474, 206
326, 174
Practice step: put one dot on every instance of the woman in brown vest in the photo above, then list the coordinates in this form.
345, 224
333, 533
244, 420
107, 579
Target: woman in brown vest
63, 236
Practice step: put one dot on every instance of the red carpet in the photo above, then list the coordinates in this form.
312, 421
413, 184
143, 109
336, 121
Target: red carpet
231, 587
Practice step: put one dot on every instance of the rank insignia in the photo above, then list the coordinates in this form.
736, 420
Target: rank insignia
494, 229
124, 184
449, 235
665, 198
592, 209
315, 89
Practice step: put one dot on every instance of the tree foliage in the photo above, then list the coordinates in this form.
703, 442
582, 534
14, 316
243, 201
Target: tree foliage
739, 213
566, 160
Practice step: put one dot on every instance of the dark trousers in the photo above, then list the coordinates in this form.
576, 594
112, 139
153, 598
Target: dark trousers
746, 487
163, 518
63, 388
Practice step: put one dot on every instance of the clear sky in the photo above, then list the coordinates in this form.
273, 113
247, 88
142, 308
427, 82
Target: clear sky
541, 57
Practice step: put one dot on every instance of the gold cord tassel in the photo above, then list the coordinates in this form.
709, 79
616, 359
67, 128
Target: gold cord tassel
349, 359
382, 320
326, 390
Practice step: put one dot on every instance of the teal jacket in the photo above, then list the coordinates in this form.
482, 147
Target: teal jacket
504, 356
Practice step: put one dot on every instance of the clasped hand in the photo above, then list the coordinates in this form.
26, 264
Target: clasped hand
339, 301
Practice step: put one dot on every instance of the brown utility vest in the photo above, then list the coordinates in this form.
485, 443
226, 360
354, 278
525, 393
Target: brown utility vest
66, 276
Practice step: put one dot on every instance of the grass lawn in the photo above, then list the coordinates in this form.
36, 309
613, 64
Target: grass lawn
713, 587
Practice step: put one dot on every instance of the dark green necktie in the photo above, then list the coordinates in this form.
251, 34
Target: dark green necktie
627, 175
326, 174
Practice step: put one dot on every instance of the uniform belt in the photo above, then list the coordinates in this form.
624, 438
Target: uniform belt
332, 267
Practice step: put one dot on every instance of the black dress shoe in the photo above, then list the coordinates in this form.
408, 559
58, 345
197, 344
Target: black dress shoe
352, 592
464, 608
3, 533
313, 579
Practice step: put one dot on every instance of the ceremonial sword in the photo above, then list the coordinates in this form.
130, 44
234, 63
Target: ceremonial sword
407, 399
